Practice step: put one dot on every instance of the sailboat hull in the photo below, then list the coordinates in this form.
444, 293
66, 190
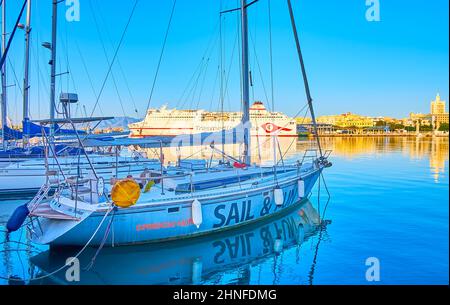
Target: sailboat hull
170, 221
189, 262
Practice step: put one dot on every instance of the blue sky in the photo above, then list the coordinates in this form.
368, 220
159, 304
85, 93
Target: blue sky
390, 68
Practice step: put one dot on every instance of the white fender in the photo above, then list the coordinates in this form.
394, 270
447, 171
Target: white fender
279, 196
197, 215
301, 189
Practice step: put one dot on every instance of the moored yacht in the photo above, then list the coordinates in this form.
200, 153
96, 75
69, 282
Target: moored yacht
184, 203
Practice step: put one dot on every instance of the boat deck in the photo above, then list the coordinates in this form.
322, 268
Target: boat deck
261, 178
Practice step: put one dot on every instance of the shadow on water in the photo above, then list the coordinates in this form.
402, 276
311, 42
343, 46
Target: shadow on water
203, 260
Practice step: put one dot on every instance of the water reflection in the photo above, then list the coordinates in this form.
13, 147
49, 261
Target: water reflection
435, 149
262, 150
416, 148
252, 254
202, 260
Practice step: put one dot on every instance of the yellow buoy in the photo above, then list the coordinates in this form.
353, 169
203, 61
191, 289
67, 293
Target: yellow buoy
125, 193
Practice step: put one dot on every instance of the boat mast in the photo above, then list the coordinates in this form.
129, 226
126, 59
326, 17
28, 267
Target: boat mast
245, 84
3, 72
53, 67
305, 77
26, 86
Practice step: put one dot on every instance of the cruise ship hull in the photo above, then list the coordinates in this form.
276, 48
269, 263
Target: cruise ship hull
173, 122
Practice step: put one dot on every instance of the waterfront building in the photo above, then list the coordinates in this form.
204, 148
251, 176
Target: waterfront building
424, 119
322, 128
437, 106
438, 112
347, 120
437, 116
303, 120
435, 119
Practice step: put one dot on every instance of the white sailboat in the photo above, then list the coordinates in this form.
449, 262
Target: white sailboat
89, 212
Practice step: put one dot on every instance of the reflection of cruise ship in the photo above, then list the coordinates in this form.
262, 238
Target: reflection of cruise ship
173, 122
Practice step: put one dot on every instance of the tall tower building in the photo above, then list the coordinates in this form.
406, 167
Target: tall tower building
438, 113
438, 106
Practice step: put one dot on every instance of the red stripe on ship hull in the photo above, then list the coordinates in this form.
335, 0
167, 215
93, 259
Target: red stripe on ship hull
162, 135
169, 128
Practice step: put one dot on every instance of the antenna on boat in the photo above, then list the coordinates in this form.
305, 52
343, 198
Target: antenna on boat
305, 77
245, 83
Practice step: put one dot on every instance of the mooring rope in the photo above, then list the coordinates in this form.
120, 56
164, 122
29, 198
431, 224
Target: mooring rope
102, 244
71, 260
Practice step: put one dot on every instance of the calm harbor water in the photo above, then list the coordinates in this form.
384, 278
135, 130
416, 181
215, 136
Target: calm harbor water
389, 200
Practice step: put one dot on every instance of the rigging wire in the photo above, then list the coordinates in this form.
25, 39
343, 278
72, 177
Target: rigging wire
294, 140
227, 77
191, 82
119, 64
207, 54
17, 84
213, 94
88, 76
106, 56
259, 68
115, 56
161, 54
194, 88
212, 46
65, 47
203, 84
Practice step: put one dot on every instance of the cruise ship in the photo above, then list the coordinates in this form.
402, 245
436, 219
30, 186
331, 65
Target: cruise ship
173, 122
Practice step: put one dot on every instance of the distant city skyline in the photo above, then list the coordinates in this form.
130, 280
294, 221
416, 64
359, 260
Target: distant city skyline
386, 68
444, 107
